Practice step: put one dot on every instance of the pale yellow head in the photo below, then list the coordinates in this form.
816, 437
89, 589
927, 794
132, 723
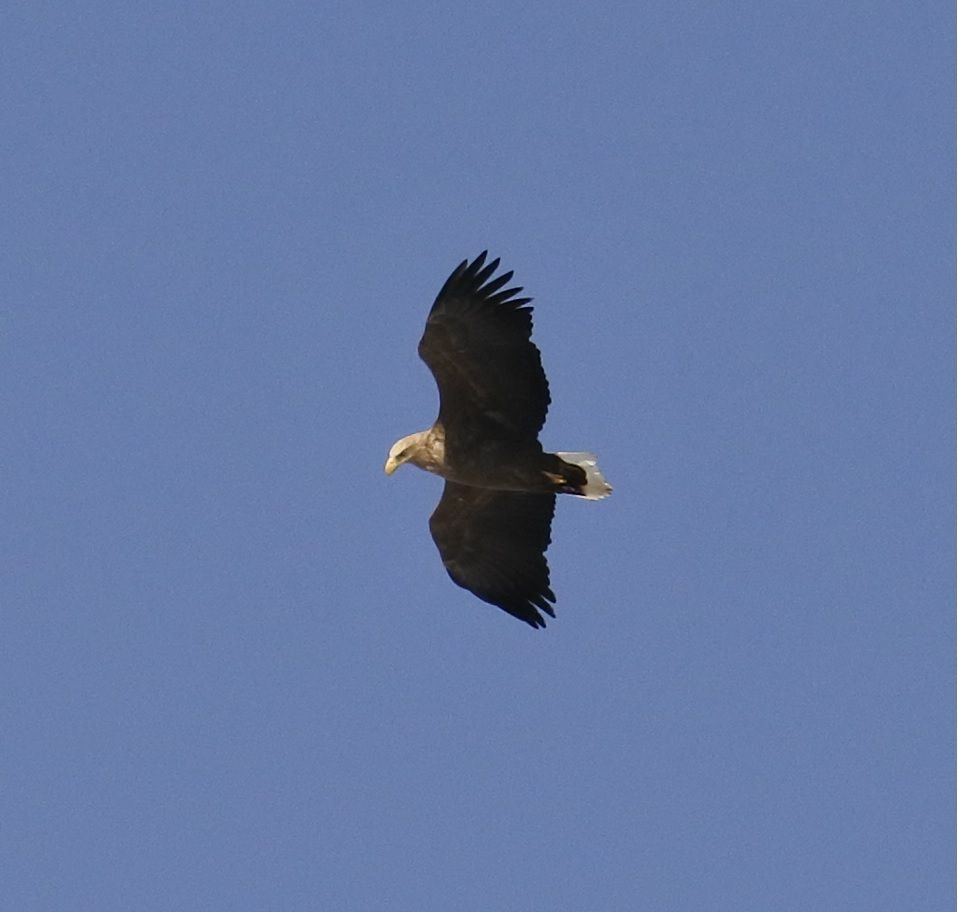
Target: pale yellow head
402, 451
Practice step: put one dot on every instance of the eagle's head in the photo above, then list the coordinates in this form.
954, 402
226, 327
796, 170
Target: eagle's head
402, 451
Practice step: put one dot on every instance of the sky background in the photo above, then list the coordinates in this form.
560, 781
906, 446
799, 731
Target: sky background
233, 672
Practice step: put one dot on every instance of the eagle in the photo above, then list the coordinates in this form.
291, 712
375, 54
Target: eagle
493, 523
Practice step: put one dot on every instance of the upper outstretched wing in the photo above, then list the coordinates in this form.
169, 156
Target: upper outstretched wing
493, 543
477, 345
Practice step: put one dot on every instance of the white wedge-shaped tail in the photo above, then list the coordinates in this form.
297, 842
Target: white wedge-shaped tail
596, 487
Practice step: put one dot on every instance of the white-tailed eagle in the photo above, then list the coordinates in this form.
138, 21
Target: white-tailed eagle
492, 525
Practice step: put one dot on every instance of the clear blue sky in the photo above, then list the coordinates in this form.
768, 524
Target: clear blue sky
233, 673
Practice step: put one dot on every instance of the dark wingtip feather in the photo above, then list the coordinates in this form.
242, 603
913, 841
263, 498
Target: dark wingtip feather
543, 605
477, 279
497, 283
527, 607
535, 620
506, 295
484, 274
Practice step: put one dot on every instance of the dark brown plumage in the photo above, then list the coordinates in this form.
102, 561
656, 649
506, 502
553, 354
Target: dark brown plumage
492, 525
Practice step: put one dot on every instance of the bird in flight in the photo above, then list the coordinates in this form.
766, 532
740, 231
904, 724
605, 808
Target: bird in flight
492, 525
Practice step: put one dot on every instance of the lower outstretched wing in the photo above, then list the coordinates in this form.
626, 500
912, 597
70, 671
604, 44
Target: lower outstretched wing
493, 543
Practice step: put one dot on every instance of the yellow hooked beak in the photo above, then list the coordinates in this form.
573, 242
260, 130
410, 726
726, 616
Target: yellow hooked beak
391, 465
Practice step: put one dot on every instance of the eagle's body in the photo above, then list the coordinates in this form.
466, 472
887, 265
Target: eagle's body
493, 522
492, 464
